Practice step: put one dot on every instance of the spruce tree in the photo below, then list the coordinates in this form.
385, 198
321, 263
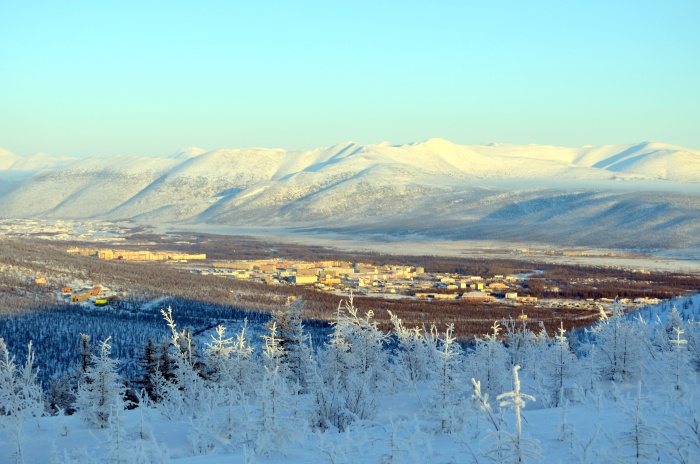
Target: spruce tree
102, 391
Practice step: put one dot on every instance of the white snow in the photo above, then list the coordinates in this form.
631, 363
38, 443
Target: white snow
473, 191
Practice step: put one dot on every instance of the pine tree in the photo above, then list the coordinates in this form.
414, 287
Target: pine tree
102, 392
21, 396
562, 366
620, 346
149, 362
293, 341
448, 403
275, 427
489, 362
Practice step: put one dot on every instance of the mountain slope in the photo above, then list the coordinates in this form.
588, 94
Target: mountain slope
589, 195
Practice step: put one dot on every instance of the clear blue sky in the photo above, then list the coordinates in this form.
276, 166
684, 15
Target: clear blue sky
149, 77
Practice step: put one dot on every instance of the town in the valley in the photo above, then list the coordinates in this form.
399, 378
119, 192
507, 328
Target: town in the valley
394, 281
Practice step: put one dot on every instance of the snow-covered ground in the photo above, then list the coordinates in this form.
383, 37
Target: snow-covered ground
650, 413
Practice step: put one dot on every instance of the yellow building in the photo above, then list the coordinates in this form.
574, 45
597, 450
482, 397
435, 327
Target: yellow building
305, 279
79, 297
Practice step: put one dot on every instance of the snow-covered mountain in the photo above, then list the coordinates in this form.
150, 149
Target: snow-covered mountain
638, 195
36, 162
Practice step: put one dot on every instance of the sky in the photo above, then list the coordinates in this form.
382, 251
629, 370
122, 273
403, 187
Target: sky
81, 78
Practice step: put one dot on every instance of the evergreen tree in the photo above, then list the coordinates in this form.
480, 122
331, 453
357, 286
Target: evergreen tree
150, 363
415, 352
620, 346
275, 427
448, 401
102, 392
489, 362
21, 396
293, 341
562, 367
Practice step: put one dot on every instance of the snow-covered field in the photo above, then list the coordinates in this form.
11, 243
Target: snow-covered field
627, 391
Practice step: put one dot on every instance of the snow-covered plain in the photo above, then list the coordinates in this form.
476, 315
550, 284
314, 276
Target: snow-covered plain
423, 403
636, 196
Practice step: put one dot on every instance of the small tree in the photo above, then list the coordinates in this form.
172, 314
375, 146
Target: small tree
293, 341
490, 362
185, 392
562, 366
415, 351
516, 448
20, 396
102, 392
448, 399
641, 437
620, 346
275, 427
679, 348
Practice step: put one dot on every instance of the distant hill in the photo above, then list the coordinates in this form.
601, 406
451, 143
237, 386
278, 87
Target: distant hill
644, 195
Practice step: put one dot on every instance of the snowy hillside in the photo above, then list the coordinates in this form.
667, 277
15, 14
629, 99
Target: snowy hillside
578, 196
625, 390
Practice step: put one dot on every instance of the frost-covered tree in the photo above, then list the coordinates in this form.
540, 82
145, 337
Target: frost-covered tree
61, 395
185, 393
489, 362
102, 391
352, 370
294, 343
218, 353
679, 354
415, 352
515, 448
447, 403
620, 345
21, 396
562, 367
692, 335
682, 432
276, 425
522, 344
230, 363
642, 438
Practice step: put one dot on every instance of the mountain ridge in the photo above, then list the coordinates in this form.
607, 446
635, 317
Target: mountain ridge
544, 192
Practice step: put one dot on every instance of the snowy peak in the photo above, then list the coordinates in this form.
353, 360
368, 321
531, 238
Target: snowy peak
36, 162
41, 161
187, 153
7, 158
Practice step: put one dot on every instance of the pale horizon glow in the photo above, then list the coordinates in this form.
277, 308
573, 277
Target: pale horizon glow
147, 78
